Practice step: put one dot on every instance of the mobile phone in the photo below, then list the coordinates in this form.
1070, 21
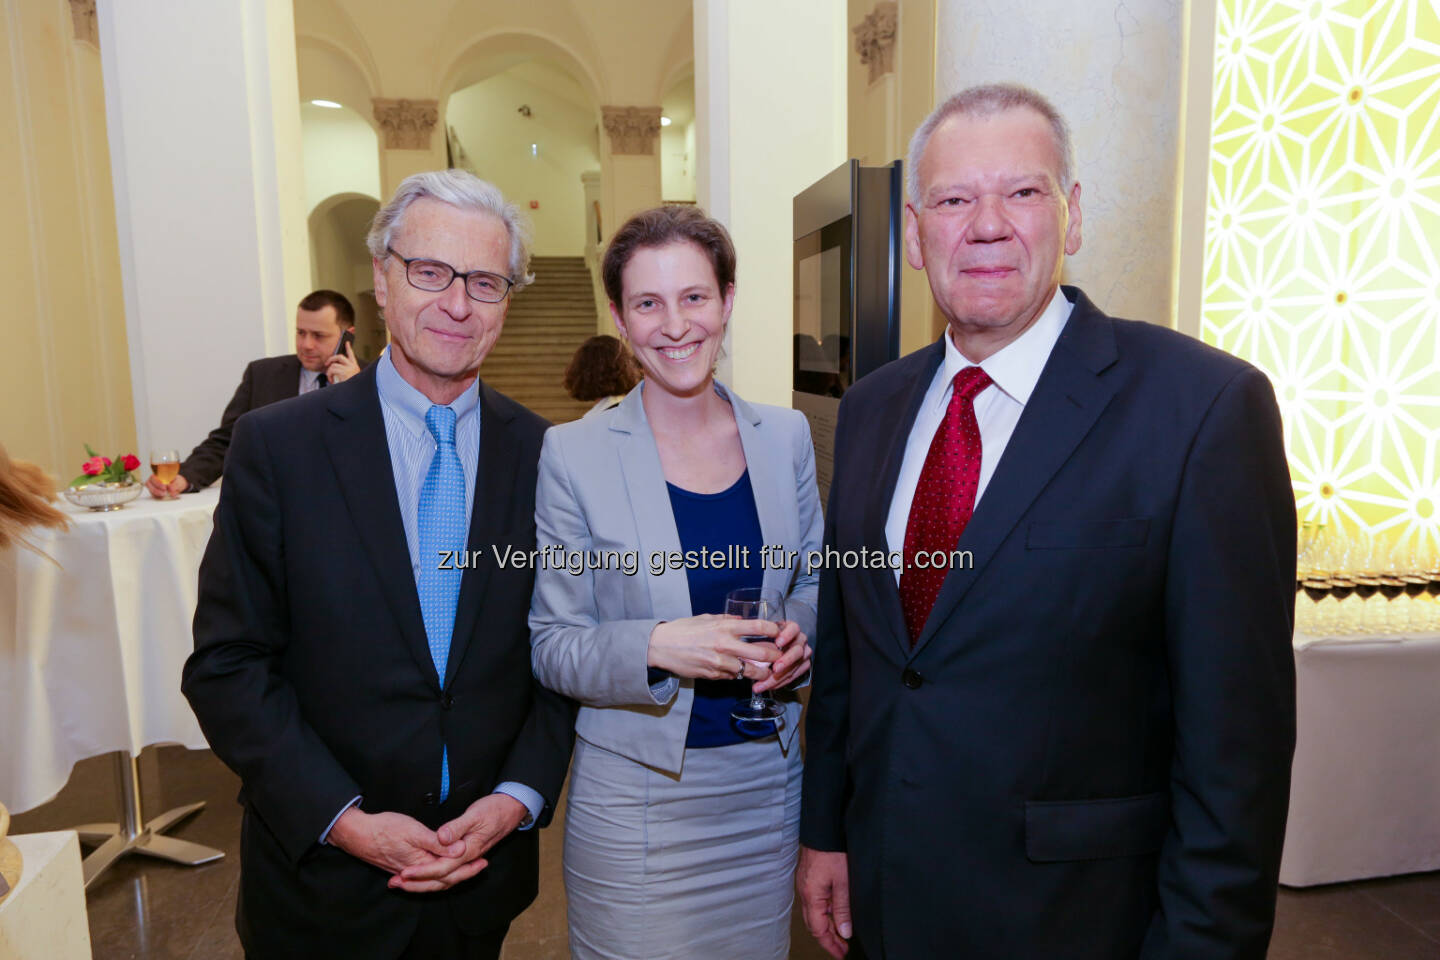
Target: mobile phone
348, 337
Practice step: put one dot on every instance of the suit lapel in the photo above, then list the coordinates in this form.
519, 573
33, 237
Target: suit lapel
491, 517
284, 379
1068, 398
768, 482
897, 420
655, 529
355, 441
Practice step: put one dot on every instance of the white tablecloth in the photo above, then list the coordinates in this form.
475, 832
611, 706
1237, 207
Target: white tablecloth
91, 649
1365, 798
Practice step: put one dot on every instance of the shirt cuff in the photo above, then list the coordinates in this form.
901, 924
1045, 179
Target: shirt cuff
324, 837
533, 801
664, 691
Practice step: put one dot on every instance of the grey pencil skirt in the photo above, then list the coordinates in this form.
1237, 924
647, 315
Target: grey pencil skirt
696, 866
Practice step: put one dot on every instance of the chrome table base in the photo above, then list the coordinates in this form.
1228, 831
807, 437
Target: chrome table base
133, 835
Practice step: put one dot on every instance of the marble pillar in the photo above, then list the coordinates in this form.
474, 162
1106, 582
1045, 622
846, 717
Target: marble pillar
1114, 71
203, 119
770, 105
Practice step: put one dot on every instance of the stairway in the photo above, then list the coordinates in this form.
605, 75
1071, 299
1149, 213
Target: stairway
547, 321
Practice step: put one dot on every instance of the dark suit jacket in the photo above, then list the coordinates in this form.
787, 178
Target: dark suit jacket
312, 679
1087, 752
265, 381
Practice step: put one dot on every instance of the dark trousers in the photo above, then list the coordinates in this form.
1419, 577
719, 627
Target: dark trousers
437, 938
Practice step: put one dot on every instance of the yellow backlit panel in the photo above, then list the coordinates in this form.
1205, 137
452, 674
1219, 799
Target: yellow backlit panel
1322, 232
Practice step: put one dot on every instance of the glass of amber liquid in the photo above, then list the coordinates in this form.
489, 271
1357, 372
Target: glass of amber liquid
165, 464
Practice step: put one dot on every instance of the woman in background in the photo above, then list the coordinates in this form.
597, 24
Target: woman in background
682, 824
602, 371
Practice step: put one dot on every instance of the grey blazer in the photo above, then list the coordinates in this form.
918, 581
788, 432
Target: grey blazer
601, 488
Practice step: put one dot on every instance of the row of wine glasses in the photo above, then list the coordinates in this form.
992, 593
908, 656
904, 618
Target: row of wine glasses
1338, 571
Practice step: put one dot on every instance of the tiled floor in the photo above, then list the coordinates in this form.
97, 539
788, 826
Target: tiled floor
146, 909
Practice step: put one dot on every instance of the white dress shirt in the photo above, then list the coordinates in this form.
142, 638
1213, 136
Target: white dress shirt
1014, 370
309, 380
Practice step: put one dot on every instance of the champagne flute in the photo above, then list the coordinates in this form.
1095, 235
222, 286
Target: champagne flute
1342, 567
1392, 588
1326, 557
1306, 549
1367, 585
165, 464
1416, 585
756, 603
1432, 589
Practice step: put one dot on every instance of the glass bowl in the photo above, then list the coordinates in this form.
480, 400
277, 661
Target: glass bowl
101, 497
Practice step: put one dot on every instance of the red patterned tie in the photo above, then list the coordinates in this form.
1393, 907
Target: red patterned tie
944, 499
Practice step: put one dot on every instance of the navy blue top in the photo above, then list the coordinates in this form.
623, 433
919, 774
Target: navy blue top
719, 522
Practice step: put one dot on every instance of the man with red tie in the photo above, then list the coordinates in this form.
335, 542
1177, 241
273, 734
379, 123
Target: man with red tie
1074, 740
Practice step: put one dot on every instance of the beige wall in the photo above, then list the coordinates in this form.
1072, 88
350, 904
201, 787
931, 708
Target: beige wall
342, 154
66, 362
497, 139
677, 141
325, 72
882, 114
757, 150
677, 162
339, 261
627, 51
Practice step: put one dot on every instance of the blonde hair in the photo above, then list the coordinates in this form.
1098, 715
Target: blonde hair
25, 495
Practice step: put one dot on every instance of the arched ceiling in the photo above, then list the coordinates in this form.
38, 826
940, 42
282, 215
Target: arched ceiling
678, 103
505, 51
325, 24
626, 52
328, 73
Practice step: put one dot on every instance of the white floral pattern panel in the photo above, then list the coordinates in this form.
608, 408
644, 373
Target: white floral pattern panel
1322, 248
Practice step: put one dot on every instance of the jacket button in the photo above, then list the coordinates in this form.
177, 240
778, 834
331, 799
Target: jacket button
911, 679
446, 701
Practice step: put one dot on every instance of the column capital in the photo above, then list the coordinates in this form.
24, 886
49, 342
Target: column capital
82, 18
407, 123
632, 129
875, 39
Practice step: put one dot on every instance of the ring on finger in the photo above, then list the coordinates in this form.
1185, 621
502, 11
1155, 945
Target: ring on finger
740, 674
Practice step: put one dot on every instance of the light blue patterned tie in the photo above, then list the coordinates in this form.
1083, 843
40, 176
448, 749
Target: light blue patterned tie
441, 527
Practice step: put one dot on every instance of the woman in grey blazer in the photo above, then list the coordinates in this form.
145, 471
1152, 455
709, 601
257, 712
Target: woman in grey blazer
682, 824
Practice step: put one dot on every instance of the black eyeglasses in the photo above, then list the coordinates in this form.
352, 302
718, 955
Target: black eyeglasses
432, 276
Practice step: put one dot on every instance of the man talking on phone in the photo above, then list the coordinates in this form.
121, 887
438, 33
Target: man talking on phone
324, 354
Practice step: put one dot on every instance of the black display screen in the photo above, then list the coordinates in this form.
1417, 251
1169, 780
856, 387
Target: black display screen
821, 362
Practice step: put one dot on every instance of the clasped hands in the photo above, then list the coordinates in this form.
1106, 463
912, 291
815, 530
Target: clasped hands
710, 647
421, 860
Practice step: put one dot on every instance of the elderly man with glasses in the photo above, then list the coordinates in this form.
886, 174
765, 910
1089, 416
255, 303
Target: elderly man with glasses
393, 748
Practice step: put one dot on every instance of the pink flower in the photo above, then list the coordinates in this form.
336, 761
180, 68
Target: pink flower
130, 462
94, 466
